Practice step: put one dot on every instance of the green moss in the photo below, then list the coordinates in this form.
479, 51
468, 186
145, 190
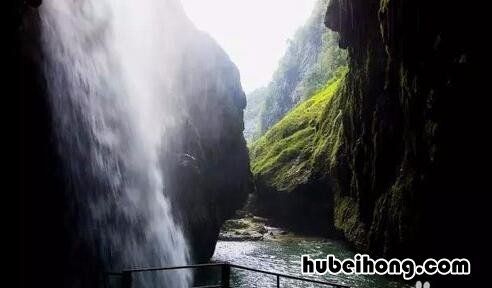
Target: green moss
347, 220
329, 136
286, 155
346, 216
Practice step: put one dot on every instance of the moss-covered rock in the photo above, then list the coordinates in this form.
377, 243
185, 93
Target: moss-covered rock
311, 59
285, 155
398, 156
285, 163
249, 228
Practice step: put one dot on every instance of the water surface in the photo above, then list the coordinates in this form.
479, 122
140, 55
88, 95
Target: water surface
284, 257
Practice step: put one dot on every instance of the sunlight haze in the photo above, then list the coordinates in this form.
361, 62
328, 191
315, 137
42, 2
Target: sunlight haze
253, 32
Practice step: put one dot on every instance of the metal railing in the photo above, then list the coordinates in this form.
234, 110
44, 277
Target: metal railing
127, 275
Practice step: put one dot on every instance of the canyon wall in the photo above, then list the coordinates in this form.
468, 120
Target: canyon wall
407, 174
205, 162
404, 112
397, 151
311, 59
209, 175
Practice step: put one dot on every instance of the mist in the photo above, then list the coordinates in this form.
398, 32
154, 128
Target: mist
111, 68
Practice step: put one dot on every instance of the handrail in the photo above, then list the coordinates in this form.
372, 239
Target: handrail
195, 266
226, 267
289, 276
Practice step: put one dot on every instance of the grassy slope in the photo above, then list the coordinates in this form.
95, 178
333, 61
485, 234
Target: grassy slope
311, 59
287, 154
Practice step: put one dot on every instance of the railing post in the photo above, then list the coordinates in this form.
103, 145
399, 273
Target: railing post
126, 279
226, 276
278, 281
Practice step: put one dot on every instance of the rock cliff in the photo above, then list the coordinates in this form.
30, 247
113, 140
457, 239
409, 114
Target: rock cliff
210, 175
398, 146
206, 159
288, 164
311, 59
398, 173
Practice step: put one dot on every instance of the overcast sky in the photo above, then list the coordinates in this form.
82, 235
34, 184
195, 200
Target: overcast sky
253, 32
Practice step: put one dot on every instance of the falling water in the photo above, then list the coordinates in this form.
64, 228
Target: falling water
110, 67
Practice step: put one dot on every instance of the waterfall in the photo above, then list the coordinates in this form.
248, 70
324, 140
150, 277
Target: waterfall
109, 67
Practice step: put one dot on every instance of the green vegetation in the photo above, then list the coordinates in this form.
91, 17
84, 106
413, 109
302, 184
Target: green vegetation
256, 100
311, 59
285, 156
347, 215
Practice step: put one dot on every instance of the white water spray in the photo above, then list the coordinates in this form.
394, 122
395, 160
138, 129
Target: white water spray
110, 67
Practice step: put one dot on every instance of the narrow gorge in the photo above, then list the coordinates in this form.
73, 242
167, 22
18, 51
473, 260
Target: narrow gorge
378, 155
139, 147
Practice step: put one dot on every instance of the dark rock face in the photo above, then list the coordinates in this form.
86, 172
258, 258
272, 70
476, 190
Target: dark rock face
210, 177
206, 162
406, 173
299, 210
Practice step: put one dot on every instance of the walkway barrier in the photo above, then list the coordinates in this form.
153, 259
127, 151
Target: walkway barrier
126, 276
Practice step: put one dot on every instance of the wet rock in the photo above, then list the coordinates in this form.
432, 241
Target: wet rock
401, 108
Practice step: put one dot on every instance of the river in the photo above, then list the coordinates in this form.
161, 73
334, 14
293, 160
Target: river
283, 256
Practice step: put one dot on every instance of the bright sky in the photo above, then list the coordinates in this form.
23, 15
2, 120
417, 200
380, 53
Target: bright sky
253, 32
